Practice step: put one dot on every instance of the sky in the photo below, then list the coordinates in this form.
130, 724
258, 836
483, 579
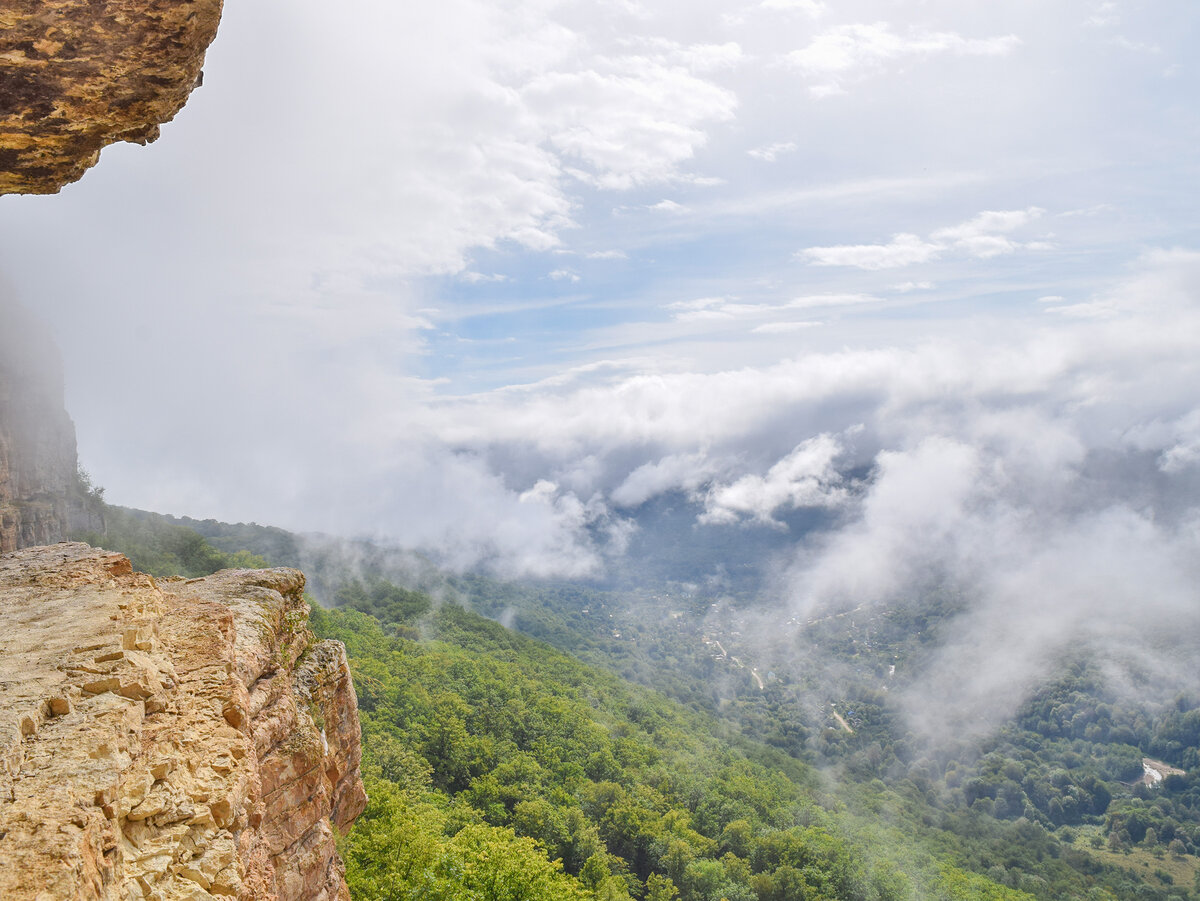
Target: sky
483, 277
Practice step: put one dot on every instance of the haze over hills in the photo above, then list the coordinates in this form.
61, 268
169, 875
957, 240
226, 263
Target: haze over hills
1064, 792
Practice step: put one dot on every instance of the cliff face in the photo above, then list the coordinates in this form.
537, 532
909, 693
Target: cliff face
181, 740
77, 75
37, 438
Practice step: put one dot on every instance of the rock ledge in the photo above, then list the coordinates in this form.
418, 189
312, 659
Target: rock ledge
182, 740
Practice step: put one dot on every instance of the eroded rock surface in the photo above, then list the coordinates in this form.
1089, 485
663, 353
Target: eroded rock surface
182, 740
77, 75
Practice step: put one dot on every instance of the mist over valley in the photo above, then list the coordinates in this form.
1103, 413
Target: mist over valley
748, 451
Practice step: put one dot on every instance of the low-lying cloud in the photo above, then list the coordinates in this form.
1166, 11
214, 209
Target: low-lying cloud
1047, 475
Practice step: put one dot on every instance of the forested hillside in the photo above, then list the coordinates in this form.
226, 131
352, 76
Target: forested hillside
485, 745
658, 750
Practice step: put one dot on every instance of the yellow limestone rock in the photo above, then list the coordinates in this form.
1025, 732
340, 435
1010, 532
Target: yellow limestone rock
77, 75
182, 740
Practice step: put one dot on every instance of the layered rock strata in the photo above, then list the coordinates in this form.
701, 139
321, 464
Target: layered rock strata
77, 75
182, 740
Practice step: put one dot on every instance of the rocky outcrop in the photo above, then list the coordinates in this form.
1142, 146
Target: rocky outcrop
37, 439
77, 75
174, 740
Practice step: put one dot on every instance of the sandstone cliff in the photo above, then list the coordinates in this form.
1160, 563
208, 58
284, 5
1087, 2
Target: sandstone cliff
174, 740
77, 75
37, 438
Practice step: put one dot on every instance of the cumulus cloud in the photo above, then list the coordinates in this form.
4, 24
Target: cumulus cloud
1048, 559
807, 477
673, 472
627, 121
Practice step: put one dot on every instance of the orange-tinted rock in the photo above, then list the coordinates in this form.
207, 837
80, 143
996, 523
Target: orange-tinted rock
182, 740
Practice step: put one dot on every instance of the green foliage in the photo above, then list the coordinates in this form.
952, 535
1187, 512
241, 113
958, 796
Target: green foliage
1066, 760
88, 492
386, 602
154, 545
402, 848
484, 745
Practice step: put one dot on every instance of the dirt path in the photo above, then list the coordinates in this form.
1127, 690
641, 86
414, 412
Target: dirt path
841, 722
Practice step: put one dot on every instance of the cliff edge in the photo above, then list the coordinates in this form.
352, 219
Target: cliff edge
173, 740
77, 75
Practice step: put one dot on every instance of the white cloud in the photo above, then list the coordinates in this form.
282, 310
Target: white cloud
780, 328
674, 471
699, 303
608, 255
709, 57
628, 121
903, 250
952, 428
987, 224
982, 237
771, 152
813, 301
564, 275
1106, 14
722, 308
806, 477
667, 206
849, 52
